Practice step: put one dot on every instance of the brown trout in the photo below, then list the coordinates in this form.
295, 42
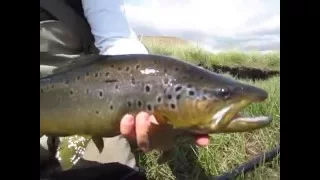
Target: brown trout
90, 97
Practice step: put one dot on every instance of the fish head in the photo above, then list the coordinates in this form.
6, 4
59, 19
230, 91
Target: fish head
203, 102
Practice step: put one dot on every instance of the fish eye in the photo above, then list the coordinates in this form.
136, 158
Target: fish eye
222, 92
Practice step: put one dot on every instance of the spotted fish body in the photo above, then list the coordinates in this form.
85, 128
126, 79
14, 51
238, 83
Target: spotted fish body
91, 97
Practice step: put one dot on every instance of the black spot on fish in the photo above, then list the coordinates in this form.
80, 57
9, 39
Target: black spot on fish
178, 88
97, 112
117, 86
100, 94
176, 69
87, 91
139, 103
41, 91
137, 66
96, 75
71, 92
173, 106
129, 104
110, 80
112, 65
149, 107
147, 88
178, 97
169, 96
127, 68
111, 107
191, 93
159, 99
119, 68
107, 73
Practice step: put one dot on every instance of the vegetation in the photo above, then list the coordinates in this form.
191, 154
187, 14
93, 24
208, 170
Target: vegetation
197, 55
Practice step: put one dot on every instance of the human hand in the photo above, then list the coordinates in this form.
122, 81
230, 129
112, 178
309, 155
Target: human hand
138, 128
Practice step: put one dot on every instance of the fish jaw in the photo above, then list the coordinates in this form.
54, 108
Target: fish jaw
228, 119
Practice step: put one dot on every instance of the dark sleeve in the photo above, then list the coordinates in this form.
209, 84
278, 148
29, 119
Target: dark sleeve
114, 171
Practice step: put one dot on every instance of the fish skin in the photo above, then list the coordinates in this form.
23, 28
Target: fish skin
90, 97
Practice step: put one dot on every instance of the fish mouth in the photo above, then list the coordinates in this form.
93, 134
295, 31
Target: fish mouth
230, 119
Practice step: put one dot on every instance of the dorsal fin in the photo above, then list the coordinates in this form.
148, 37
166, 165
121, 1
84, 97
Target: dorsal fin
63, 63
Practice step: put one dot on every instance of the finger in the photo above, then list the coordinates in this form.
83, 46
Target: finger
153, 120
142, 127
202, 140
127, 127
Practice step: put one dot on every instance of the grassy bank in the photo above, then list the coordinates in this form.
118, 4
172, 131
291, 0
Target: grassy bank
231, 58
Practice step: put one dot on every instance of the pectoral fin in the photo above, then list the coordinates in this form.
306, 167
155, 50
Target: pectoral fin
98, 141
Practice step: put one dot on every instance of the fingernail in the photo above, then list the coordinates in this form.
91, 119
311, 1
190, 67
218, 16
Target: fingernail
153, 120
144, 146
128, 119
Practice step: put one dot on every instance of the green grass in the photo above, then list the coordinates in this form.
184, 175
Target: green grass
231, 58
226, 151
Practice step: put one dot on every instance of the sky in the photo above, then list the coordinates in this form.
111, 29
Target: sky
214, 24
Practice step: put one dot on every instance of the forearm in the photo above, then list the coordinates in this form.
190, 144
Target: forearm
112, 32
